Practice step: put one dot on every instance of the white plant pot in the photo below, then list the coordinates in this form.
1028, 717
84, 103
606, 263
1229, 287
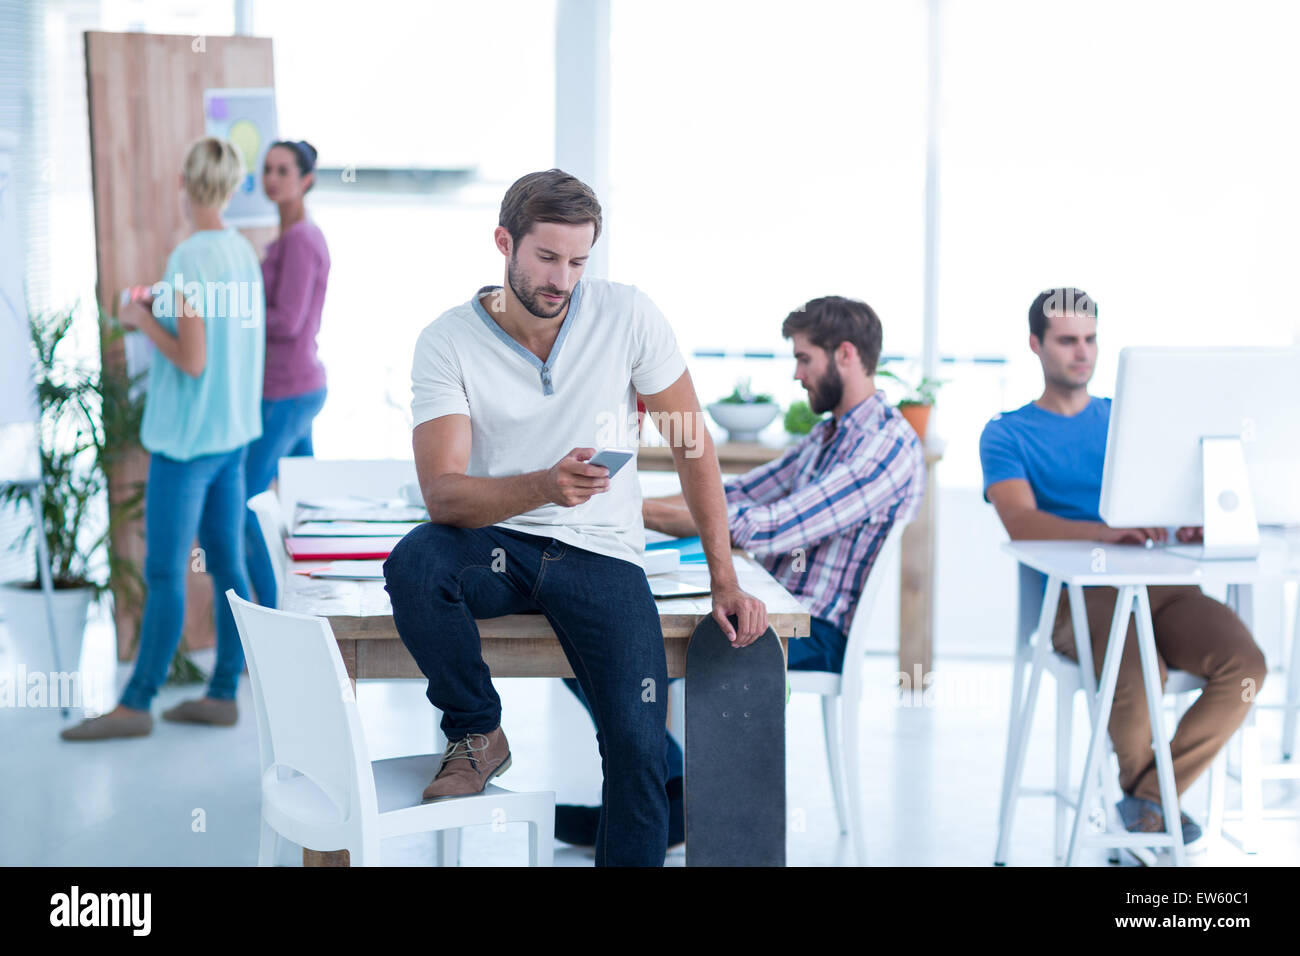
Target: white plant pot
744, 422
28, 627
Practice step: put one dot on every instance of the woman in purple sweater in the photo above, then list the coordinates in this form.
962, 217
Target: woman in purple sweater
294, 274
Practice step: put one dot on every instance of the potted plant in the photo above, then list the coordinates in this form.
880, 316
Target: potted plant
915, 405
72, 483
743, 413
89, 418
799, 418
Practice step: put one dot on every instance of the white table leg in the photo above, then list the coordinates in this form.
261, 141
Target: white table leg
1088, 680
1101, 714
1020, 737
1159, 739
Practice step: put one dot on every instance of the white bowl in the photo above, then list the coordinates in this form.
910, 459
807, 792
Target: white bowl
744, 422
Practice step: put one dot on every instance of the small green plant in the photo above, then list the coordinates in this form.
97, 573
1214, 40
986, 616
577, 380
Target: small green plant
70, 436
742, 395
923, 392
799, 418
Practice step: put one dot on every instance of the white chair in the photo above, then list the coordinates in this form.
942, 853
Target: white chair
320, 789
307, 479
1071, 678
270, 521
841, 696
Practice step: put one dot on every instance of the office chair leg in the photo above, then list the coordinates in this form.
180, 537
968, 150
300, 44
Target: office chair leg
1291, 710
1252, 785
834, 750
267, 845
850, 736
449, 847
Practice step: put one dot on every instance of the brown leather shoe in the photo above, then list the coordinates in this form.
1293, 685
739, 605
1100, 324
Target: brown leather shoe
468, 764
204, 710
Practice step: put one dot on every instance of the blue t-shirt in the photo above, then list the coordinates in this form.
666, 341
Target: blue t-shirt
220, 409
1060, 456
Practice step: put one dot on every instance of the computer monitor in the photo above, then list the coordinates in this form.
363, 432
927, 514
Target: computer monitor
1205, 436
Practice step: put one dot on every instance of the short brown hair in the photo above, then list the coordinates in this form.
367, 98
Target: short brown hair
550, 196
833, 319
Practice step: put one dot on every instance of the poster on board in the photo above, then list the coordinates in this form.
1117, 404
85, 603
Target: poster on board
245, 117
19, 452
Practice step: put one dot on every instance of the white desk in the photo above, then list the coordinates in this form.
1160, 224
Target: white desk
1078, 564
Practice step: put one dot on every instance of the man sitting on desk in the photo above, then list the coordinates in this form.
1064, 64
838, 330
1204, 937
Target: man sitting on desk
520, 521
817, 516
1042, 472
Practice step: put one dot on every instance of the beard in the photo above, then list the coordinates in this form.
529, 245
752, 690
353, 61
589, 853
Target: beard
826, 391
530, 297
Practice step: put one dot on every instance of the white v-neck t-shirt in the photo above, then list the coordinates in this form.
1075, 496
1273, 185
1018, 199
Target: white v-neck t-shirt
526, 414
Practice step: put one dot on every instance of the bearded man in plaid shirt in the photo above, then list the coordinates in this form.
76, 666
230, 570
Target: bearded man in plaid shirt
816, 517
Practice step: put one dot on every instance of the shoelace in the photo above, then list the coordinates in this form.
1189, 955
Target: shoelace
464, 749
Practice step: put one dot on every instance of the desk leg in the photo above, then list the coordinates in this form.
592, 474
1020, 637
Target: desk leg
1088, 678
1160, 739
1019, 735
335, 857
1105, 698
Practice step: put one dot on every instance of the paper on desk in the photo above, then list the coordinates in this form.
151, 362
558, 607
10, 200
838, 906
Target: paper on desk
353, 529
351, 570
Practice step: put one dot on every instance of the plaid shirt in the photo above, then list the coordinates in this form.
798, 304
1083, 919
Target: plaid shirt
817, 517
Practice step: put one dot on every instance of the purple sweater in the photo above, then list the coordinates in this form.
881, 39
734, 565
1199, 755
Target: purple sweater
294, 273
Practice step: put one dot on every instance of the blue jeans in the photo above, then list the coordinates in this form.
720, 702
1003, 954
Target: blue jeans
203, 496
286, 433
441, 578
822, 650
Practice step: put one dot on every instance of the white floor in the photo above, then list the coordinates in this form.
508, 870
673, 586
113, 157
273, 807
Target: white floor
188, 795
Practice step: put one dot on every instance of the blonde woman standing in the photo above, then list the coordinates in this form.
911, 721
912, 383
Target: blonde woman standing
203, 408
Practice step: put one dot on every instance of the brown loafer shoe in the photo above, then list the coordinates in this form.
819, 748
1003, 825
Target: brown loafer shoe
205, 710
135, 724
468, 764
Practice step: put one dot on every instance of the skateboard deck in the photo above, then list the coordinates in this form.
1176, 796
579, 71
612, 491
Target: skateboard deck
735, 755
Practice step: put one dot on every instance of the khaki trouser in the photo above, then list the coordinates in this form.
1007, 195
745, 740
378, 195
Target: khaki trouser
1193, 633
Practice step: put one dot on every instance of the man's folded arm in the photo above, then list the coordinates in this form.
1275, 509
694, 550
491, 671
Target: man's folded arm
843, 497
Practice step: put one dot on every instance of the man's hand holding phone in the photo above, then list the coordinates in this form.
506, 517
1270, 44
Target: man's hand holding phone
572, 481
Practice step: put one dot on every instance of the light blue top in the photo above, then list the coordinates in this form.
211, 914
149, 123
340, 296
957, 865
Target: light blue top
1060, 456
220, 409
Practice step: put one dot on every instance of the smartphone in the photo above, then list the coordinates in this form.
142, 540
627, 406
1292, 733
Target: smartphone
612, 458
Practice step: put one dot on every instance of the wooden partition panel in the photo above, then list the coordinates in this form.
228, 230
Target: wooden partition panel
145, 93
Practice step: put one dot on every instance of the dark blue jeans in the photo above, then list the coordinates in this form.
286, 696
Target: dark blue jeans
822, 650
441, 578
203, 496
286, 433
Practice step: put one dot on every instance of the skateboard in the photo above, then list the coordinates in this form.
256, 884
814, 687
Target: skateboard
735, 756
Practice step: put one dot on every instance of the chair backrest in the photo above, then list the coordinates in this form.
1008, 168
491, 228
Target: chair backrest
1031, 586
270, 521
307, 717
881, 568
305, 479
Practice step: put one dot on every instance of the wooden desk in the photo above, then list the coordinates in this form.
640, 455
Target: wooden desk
518, 645
736, 457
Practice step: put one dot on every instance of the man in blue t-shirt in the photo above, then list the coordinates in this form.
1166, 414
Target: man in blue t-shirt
1042, 472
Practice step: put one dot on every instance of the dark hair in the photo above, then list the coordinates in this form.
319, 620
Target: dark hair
303, 152
833, 319
1057, 302
550, 196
